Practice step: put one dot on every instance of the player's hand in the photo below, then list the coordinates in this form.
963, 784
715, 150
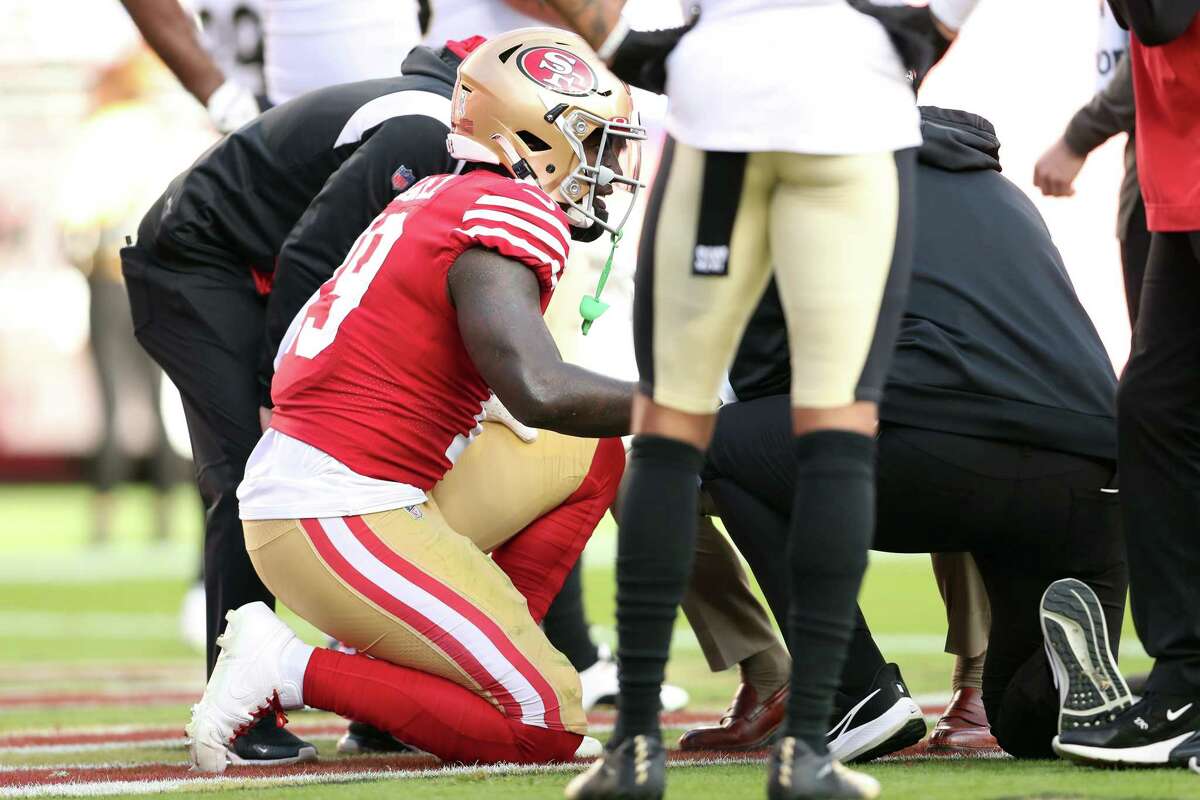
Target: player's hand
919, 37
640, 57
231, 106
264, 417
1056, 170
494, 411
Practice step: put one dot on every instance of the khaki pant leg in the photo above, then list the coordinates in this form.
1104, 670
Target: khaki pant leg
833, 222
729, 622
500, 484
968, 612
404, 587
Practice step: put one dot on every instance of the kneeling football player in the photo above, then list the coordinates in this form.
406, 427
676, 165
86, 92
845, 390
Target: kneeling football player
379, 387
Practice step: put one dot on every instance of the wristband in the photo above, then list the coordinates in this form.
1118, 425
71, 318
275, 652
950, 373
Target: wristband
952, 13
614, 39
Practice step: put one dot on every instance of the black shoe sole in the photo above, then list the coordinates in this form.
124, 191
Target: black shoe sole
1091, 689
304, 755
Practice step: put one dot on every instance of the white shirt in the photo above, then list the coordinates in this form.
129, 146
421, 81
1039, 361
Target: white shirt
1112, 46
232, 33
288, 479
311, 44
459, 19
788, 75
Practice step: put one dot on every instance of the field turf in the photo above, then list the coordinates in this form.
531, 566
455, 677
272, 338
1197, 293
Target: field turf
95, 683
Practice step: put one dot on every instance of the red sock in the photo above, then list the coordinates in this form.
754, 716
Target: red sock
428, 712
538, 558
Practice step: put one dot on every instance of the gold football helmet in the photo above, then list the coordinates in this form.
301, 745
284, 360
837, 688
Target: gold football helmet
538, 102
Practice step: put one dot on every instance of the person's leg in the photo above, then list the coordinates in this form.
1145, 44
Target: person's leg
963, 726
109, 324
204, 326
730, 624
566, 624
702, 265
1060, 525
410, 591
841, 237
968, 617
532, 506
1135, 252
1158, 407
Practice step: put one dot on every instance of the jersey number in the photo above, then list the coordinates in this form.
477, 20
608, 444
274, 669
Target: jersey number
345, 290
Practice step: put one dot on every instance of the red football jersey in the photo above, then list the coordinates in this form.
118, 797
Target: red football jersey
373, 371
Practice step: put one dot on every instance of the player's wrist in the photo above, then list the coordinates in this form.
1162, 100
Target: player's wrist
613, 41
231, 106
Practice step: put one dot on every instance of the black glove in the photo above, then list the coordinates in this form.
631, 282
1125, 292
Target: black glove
641, 58
914, 32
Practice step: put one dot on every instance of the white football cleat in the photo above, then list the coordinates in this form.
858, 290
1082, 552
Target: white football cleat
600, 686
589, 748
193, 625
246, 684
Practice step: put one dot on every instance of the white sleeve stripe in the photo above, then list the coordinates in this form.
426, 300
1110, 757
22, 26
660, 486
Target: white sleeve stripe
396, 104
477, 231
511, 219
525, 208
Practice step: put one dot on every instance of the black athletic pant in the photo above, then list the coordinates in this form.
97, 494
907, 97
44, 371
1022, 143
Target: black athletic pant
1135, 252
1028, 516
204, 324
1158, 432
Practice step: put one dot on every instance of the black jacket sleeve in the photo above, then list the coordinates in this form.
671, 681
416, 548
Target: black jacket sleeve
1108, 113
410, 148
1155, 22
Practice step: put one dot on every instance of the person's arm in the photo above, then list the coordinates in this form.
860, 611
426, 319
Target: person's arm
1155, 22
171, 33
500, 318
539, 10
1108, 113
403, 151
637, 57
594, 20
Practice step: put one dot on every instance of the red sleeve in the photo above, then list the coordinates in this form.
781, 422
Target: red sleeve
520, 222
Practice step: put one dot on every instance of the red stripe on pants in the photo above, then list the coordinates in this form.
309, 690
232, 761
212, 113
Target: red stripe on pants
447, 644
479, 619
428, 712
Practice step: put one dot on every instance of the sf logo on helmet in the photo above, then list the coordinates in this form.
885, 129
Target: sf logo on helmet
558, 70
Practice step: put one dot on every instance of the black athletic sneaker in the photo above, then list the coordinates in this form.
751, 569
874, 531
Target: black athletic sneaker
268, 745
1158, 729
882, 721
1091, 690
635, 770
795, 772
362, 738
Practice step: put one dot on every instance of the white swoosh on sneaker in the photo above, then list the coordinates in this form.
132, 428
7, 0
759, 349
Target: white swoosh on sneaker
1175, 713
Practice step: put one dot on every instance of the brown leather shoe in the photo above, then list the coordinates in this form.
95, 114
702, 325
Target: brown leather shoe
963, 728
747, 725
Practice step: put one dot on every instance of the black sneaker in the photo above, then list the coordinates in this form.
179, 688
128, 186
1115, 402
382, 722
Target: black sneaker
872, 725
1158, 729
795, 772
635, 770
268, 745
1091, 690
361, 738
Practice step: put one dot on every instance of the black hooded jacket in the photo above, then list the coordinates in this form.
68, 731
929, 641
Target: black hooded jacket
289, 192
994, 342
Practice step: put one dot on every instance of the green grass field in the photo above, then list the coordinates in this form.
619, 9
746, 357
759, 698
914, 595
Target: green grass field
95, 682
